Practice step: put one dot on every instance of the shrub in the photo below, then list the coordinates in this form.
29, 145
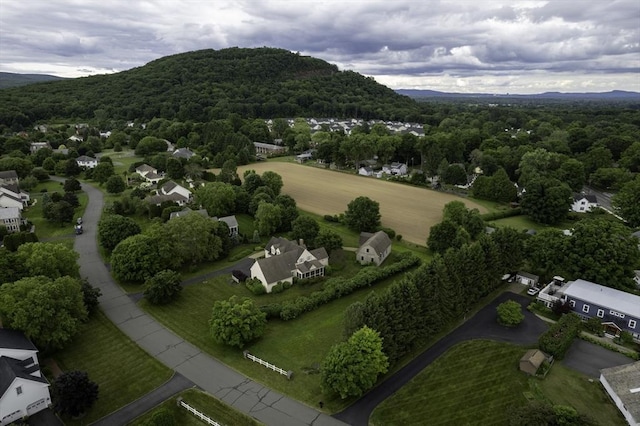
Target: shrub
399, 237
330, 218
390, 232
592, 325
278, 288
501, 214
510, 313
163, 287
272, 310
255, 286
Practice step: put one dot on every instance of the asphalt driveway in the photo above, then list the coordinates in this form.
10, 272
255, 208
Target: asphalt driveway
482, 325
589, 358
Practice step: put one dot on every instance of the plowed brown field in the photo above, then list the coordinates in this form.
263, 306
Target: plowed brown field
408, 210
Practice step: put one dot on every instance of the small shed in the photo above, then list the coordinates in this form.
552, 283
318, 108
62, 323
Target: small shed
531, 361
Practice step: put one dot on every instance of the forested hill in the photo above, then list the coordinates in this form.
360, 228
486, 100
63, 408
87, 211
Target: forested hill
9, 79
210, 84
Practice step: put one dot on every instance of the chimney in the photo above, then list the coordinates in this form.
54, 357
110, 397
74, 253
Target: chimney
301, 243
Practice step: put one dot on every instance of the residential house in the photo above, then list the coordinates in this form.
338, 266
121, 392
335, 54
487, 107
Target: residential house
24, 391
365, 171
171, 187
87, 162
232, 223
305, 156
185, 153
35, 146
374, 247
622, 383
617, 310
75, 138
186, 211
9, 177
527, 279
149, 173
12, 196
269, 149
583, 203
285, 260
11, 218
396, 169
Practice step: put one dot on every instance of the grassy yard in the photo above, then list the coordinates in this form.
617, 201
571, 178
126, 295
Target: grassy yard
44, 228
298, 345
524, 222
203, 402
477, 382
123, 371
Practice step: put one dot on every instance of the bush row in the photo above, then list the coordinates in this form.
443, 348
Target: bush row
558, 338
338, 287
501, 214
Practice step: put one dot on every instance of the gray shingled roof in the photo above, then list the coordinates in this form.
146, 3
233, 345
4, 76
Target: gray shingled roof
622, 380
8, 174
379, 241
9, 213
11, 368
278, 268
14, 339
231, 221
168, 186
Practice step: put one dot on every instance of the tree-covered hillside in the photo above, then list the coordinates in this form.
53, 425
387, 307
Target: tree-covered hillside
210, 84
9, 79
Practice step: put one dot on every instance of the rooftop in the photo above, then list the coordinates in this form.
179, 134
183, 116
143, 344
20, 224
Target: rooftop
624, 380
621, 301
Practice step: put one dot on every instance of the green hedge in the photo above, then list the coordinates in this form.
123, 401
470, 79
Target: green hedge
558, 338
338, 287
501, 214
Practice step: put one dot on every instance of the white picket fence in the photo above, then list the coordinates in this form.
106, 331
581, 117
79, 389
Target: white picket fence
198, 414
253, 358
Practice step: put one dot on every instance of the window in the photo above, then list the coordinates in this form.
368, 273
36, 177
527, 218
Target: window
585, 309
572, 303
600, 313
367, 250
616, 314
19, 390
632, 324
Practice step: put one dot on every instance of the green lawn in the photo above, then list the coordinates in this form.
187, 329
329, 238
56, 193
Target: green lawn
123, 371
203, 402
297, 345
44, 228
524, 222
476, 382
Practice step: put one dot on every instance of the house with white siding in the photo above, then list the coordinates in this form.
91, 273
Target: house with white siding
374, 248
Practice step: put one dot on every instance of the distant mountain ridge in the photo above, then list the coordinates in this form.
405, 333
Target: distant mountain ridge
10, 79
612, 95
207, 85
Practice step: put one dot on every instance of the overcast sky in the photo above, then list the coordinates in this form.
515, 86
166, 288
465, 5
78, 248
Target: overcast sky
487, 46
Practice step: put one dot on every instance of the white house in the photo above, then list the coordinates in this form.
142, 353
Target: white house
397, 169
87, 162
365, 171
374, 247
23, 389
75, 138
149, 173
232, 223
584, 203
173, 188
287, 259
12, 196
622, 383
527, 279
11, 218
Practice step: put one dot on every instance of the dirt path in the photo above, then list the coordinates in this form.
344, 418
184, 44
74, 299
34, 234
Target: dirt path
408, 210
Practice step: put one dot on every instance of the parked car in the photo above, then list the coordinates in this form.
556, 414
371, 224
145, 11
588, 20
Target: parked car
533, 291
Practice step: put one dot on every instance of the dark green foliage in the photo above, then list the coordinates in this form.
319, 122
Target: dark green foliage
15, 240
593, 325
115, 185
627, 202
161, 417
362, 215
103, 171
496, 188
136, 258
510, 313
538, 413
73, 393
163, 287
90, 297
150, 145
114, 228
71, 185
72, 199
235, 323
255, 286
455, 174
39, 173
306, 229
546, 200
559, 337
330, 240
59, 212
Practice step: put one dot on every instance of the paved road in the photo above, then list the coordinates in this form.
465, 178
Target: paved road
256, 400
131, 411
483, 325
589, 358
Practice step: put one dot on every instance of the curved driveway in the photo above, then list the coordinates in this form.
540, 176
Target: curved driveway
482, 325
208, 373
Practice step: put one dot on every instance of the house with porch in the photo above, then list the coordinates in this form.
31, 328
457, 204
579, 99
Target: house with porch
583, 203
24, 390
285, 260
374, 248
617, 310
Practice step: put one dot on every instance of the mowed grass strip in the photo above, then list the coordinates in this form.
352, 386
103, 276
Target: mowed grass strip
46, 229
408, 210
122, 370
473, 383
203, 402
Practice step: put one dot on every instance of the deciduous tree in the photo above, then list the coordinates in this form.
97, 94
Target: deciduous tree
306, 229
267, 218
217, 197
235, 323
363, 215
352, 367
136, 258
163, 287
114, 228
48, 259
74, 393
627, 202
546, 200
510, 313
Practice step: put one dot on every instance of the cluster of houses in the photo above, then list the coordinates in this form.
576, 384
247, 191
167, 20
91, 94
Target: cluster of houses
347, 125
